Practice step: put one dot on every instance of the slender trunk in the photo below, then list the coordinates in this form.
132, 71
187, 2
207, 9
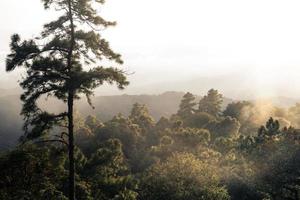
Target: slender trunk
71, 148
70, 109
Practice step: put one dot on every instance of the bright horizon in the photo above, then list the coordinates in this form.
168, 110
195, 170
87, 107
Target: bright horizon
242, 48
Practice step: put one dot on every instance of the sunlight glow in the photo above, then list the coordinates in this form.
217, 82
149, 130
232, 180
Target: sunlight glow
176, 41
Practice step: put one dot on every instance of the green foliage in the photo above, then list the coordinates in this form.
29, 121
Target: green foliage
194, 155
123, 129
186, 107
224, 127
191, 137
281, 177
56, 68
271, 128
63, 63
211, 103
107, 171
199, 120
182, 176
140, 116
93, 123
32, 172
163, 123
180, 140
127, 158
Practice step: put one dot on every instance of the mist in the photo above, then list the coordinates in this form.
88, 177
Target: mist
245, 57
177, 100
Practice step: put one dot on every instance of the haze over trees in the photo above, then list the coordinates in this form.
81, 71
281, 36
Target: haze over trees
192, 156
206, 148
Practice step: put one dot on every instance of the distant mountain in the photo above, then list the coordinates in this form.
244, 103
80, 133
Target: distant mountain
106, 107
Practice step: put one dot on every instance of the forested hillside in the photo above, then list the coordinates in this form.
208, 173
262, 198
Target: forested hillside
172, 138
163, 105
106, 107
201, 151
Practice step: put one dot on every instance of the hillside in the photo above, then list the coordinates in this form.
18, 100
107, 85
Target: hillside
106, 107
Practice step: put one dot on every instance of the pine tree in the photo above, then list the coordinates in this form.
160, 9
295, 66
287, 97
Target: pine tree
272, 128
108, 173
140, 115
187, 104
55, 63
211, 103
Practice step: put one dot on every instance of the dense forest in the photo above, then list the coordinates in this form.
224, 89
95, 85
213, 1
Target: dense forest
162, 105
179, 147
105, 107
200, 152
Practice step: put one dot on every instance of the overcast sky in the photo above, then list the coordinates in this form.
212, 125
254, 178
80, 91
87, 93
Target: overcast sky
243, 48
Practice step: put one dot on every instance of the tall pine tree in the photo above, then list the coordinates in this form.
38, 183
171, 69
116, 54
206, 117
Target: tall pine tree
211, 103
187, 104
56, 65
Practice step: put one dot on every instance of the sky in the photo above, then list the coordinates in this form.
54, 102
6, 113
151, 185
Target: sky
245, 49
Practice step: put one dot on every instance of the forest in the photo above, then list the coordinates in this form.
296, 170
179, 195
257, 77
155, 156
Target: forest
200, 148
200, 152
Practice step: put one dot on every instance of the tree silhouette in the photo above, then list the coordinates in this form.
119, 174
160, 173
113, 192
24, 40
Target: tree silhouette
55, 63
272, 128
211, 103
187, 104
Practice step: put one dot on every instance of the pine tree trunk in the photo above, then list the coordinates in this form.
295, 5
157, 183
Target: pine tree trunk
70, 108
71, 148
